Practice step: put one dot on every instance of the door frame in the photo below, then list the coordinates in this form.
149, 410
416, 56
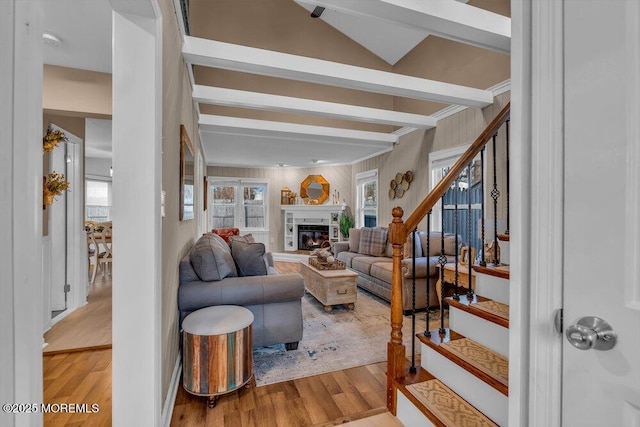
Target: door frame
537, 115
75, 237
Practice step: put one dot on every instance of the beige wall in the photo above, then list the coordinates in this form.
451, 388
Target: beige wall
339, 178
177, 236
412, 153
71, 91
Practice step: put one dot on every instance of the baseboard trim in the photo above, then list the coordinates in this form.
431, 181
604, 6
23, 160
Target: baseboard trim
170, 400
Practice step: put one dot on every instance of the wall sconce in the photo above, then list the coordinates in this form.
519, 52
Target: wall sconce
111, 171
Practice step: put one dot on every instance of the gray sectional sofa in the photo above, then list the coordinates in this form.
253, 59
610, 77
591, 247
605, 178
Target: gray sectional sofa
369, 254
209, 276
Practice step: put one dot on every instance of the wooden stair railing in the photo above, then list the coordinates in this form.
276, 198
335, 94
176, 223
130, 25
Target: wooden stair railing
398, 233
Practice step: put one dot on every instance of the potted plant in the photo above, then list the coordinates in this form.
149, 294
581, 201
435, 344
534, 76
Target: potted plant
346, 222
54, 184
52, 139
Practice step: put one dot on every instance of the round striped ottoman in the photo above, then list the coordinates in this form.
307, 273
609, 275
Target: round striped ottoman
217, 355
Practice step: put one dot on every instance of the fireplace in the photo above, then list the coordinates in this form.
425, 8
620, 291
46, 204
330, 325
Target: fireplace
311, 236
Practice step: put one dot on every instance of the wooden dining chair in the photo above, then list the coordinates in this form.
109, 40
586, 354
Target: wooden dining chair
105, 242
104, 255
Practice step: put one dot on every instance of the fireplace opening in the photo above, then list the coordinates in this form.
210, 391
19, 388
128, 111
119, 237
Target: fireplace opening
311, 236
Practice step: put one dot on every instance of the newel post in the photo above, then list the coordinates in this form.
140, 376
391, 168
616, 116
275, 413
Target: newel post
396, 368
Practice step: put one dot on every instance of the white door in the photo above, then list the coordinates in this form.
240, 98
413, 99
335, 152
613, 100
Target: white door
58, 232
602, 209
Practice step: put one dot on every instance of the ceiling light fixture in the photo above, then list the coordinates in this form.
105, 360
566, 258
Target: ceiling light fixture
317, 12
281, 164
51, 39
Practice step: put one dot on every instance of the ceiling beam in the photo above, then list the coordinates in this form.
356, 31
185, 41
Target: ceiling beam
211, 53
301, 133
288, 104
449, 19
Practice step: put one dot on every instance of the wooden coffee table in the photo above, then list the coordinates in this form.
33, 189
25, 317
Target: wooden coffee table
330, 287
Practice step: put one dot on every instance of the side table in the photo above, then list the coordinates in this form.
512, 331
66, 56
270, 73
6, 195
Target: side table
217, 351
450, 278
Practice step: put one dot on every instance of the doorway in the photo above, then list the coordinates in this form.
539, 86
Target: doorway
63, 238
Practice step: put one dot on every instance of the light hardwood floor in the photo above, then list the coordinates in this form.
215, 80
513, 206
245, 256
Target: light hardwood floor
88, 327
82, 377
329, 399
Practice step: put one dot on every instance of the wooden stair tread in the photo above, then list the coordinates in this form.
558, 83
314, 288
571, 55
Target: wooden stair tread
501, 270
485, 308
480, 361
450, 409
503, 236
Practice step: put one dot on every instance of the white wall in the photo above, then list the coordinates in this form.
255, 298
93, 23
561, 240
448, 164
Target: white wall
21, 316
97, 167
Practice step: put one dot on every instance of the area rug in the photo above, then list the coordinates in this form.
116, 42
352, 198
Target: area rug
335, 341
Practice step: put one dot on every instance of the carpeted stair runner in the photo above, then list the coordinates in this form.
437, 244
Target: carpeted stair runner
451, 409
494, 307
480, 357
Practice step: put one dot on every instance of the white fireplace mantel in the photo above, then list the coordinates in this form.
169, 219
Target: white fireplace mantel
295, 215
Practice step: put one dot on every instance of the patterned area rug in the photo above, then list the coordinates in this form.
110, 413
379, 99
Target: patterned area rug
334, 341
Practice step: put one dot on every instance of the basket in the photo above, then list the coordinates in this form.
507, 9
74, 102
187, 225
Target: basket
326, 265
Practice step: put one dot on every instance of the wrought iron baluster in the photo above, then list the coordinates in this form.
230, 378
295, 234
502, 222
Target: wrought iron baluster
427, 332
483, 262
455, 233
442, 260
469, 251
412, 369
495, 193
507, 128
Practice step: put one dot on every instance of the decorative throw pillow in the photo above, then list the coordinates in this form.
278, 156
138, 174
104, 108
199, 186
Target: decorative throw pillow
373, 241
249, 258
354, 239
225, 233
408, 248
211, 258
435, 243
247, 238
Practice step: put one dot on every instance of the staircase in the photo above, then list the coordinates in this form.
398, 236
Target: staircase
465, 370
463, 375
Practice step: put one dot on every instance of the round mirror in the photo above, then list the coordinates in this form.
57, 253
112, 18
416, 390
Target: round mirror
315, 189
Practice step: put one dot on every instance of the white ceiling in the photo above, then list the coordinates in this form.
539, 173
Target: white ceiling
97, 138
84, 26
387, 40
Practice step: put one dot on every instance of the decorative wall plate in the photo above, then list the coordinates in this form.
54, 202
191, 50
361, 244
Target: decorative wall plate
398, 178
399, 192
408, 176
393, 184
392, 194
405, 185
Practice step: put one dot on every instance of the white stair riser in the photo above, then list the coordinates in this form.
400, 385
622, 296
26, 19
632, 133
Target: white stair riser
409, 415
504, 252
485, 398
482, 331
495, 288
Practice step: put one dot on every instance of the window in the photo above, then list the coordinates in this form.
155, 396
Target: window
98, 200
367, 199
469, 187
237, 203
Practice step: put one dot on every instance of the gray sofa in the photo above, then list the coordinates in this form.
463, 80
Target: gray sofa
373, 263
208, 276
